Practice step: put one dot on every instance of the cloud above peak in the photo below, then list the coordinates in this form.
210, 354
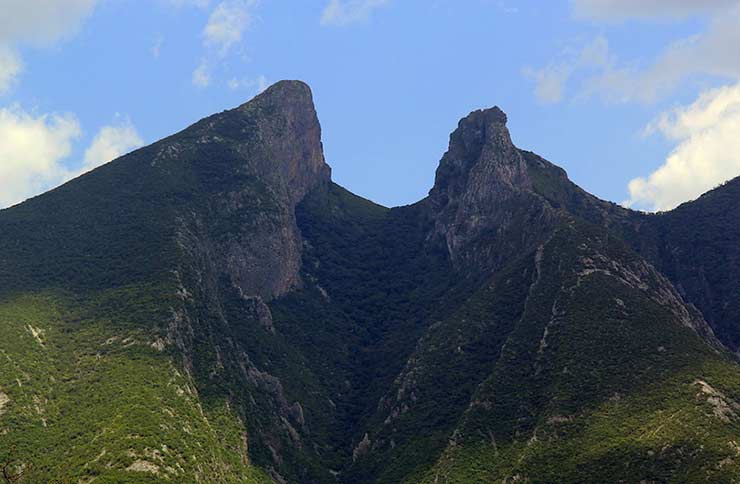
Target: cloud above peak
705, 132
111, 142
32, 150
225, 29
39, 23
227, 23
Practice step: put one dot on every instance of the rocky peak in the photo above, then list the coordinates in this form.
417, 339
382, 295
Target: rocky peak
256, 163
481, 160
478, 180
289, 125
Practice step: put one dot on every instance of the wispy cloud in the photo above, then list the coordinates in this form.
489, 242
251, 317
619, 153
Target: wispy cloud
202, 75
227, 24
224, 30
189, 3
156, 49
345, 12
705, 132
711, 53
259, 84
551, 80
10, 68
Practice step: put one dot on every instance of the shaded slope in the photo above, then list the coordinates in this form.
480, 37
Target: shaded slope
603, 379
694, 245
697, 247
561, 316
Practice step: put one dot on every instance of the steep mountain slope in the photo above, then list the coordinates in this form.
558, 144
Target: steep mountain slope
212, 308
122, 268
696, 246
564, 319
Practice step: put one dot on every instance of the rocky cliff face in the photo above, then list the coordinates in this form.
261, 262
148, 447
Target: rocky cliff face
255, 164
482, 195
241, 249
481, 164
290, 155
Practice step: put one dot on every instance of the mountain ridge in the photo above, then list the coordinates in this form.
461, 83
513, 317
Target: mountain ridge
509, 327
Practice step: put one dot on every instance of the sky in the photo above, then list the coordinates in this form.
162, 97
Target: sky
639, 100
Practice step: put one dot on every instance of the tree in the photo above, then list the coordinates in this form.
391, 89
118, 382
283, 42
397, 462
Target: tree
13, 471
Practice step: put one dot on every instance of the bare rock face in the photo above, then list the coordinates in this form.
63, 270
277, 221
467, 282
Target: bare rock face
290, 134
254, 164
481, 164
482, 185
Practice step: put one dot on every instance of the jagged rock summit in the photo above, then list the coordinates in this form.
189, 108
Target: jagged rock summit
481, 155
289, 120
212, 308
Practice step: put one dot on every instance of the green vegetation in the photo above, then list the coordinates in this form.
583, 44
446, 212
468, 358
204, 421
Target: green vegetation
97, 376
598, 384
91, 396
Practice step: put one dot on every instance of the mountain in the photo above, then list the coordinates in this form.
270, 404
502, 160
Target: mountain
214, 309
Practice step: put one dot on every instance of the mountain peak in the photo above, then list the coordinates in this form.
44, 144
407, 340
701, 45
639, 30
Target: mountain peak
480, 172
284, 93
480, 152
276, 137
493, 115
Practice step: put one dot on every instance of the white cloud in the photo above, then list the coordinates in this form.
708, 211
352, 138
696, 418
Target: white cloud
31, 152
10, 67
550, 81
258, 84
622, 9
202, 75
227, 24
712, 53
505, 8
110, 143
708, 151
345, 12
41, 22
35, 148
224, 30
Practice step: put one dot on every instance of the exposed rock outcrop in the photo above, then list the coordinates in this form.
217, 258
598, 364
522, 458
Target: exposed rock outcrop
253, 165
482, 190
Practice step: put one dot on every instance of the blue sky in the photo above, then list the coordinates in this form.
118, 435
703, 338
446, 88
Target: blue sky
638, 100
